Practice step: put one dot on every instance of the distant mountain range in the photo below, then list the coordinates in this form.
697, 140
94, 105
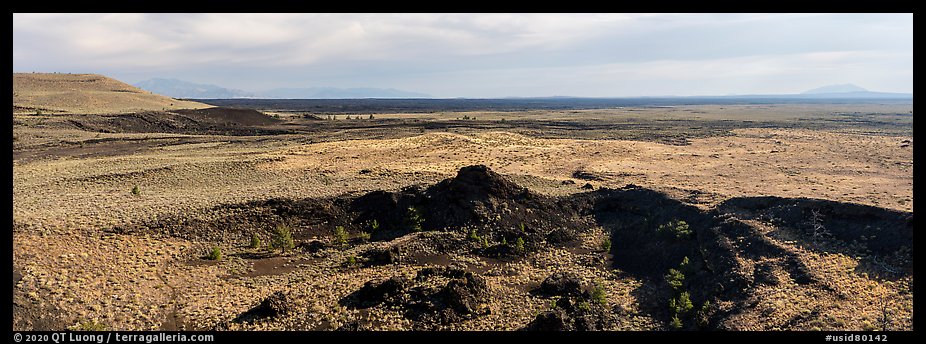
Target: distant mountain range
849, 91
829, 89
843, 91
339, 93
184, 89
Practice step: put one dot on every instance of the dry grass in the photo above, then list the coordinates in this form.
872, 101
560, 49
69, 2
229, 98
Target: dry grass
62, 207
85, 94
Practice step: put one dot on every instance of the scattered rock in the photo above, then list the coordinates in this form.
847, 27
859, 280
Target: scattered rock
437, 295
572, 314
373, 293
562, 236
311, 246
587, 175
382, 256
561, 283
277, 304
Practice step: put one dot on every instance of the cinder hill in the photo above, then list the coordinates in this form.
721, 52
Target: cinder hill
86, 94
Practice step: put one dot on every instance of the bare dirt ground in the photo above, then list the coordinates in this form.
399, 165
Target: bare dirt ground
88, 252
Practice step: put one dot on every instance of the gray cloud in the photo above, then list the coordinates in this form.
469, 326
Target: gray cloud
481, 55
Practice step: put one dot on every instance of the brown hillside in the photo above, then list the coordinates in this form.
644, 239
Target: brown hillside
86, 94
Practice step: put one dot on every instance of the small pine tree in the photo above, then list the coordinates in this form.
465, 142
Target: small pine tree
414, 219
599, 295
583, 306
473, 235
676, 228
374, 225
684, 303
685, 266
215, 254
519, 245
675, 279
340, 236
676, 322
283, 237
136, 191
255, 241
485, 242
606, 244
351, 260
371, 116
364, 236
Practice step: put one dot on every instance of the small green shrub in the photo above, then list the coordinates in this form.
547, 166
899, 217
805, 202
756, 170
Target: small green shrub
485, 242
678, 229
599, 295
215, 254
606, 244
583, 305
675, 279
684, 303
352, 260
136, 191
504, 241
364, 236
702, 314
473, 235
282, 237
686, 268
676, 323
340, 235
255, 241
521, 227
519, 245
414, 219
374, 225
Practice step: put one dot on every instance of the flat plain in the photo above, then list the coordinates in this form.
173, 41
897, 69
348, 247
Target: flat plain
776, 216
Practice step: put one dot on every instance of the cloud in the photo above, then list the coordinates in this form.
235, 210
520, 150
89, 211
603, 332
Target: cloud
460, 54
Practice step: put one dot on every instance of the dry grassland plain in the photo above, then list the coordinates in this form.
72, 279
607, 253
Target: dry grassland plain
88, 252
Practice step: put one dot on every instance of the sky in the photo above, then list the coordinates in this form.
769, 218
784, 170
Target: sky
481, 55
